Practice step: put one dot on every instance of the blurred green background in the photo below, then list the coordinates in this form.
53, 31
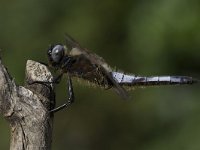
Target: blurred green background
143, 37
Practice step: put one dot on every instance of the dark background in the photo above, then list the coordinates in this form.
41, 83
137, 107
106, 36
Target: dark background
143, 37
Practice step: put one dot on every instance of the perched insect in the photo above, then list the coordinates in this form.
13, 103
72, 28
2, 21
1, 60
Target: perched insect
76, 61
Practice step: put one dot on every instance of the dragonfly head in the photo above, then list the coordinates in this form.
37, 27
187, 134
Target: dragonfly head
56, 54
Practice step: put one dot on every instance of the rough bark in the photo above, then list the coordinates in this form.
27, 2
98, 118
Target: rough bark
26, 108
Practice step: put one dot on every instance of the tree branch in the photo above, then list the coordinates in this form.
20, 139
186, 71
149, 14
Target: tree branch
26, 108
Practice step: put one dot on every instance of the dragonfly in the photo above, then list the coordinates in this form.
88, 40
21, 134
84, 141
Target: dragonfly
75, 61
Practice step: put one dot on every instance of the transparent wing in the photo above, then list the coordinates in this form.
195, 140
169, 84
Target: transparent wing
95, 59
76, 48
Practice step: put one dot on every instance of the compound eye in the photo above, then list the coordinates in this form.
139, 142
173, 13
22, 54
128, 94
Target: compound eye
57, 53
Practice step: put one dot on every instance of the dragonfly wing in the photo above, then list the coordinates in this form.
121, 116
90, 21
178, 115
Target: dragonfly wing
70, 42
76, 49
118, 88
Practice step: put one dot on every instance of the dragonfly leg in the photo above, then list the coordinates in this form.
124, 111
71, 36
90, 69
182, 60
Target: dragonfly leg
55, 80
70, 98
